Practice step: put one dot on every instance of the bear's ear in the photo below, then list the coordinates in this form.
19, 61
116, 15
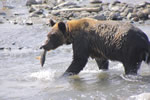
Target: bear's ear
62, 27
52, 23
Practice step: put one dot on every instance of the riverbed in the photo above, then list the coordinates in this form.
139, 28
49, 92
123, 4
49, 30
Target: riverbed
22, 77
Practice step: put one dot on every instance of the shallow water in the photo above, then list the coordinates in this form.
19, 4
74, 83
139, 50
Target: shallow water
22, 77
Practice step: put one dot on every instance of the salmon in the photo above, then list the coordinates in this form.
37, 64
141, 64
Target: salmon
42, 59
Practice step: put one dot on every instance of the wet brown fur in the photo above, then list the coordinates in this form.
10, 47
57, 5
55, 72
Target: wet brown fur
104, 40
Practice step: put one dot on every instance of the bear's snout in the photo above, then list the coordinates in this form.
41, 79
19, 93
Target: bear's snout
44, 47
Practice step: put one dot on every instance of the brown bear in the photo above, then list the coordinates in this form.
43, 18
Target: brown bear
101, 40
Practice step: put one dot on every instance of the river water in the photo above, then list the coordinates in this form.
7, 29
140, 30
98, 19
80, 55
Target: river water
22, 77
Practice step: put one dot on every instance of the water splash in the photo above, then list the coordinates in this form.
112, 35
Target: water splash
44, 75
142, 96
131, 78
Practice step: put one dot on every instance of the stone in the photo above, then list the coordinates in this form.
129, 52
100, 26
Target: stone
30, 2
55, 13
84, 14
149, 16
29, 22
31, 10
131, 15
100, 17
135, 19
95, 1
2, 13
115, 16
64, 4
39, 11
116, 2
2, 48
33, 15
146, 11
33, 2
127, 11
143, 4
115, 8
142, 16
141, 22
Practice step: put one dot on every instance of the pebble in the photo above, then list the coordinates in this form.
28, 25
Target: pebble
115, 16
100, 17
149, 16
146, 11
31, 2
131, 15
29, 22
39, 11
143, 4
32, 9
64, 4
116, 2
142, 16
95, 1
114, 8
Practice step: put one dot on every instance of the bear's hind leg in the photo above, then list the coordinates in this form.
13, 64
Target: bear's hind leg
132, 69
102, 63
133, 62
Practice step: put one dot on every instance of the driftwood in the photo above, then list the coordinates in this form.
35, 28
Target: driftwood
79, 9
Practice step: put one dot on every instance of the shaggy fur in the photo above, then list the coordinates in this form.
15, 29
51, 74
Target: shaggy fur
101, 40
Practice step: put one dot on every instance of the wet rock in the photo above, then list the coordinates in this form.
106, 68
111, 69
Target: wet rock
39, 11
14, 43
32, 9
29, 22
20, 48
115, 16
95, 1
32, 2
100, 17
2, 48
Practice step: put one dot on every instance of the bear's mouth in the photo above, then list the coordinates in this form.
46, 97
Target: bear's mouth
47, 47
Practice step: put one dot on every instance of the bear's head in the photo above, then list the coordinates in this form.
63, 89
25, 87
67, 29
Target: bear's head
56, 37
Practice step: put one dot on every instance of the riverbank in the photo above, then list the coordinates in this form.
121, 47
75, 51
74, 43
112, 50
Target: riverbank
67, 10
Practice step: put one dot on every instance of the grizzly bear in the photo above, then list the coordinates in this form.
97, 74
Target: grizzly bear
101, 40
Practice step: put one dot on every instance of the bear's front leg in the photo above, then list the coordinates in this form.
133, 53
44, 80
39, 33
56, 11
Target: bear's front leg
102, 63
80, 57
